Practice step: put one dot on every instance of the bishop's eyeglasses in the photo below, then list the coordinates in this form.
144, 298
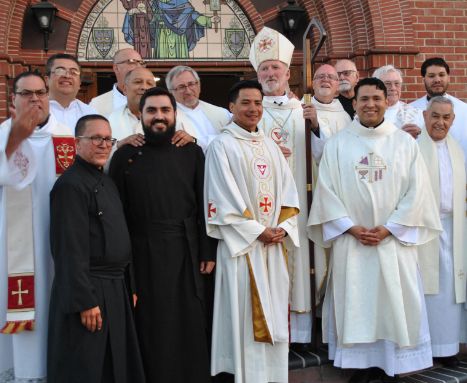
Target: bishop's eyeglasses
96, 140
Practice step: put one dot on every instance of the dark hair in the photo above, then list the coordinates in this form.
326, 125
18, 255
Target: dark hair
58, 56
373, 81
245, 84
24, 75
157, 91
437, 61
80, 127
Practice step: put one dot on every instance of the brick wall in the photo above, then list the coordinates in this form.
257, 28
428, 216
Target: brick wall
371, 32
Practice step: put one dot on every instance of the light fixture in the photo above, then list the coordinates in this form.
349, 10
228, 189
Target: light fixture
291, 16
45, 15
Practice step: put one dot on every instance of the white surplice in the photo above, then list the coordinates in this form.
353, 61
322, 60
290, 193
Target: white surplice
106, 103
248, 187
371, 177
124, 123
28, 348
205, 121
443, 261
70, 115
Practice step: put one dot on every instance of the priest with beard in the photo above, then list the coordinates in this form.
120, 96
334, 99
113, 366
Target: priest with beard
161, 187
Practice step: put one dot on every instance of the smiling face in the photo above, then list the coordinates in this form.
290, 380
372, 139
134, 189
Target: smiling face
273, 75
436, 80
96, 155
370, 104
393, 82
438, 120
247, 110
348, 75
186, 89
158, 114
325, 84
136, 83
66, 84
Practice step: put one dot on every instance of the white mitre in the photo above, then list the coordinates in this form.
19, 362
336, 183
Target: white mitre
270, 45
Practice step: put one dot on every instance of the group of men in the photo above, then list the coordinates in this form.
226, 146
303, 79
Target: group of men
139, 219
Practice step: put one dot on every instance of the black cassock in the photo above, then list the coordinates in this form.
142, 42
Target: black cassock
161, 187
92, 251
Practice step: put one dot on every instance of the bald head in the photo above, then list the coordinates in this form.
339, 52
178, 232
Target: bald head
136, 83
126, 60
348, 77
325, 83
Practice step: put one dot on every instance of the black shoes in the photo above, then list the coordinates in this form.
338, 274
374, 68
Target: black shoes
371, 374
448, 361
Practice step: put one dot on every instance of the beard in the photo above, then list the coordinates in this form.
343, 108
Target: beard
158, 137
344, 86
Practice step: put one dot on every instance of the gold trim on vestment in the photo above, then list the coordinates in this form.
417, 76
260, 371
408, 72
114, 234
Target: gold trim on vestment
260, 326
247, 214
286, 213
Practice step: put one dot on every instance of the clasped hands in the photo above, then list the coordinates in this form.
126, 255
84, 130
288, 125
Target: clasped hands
369, 237
272, 235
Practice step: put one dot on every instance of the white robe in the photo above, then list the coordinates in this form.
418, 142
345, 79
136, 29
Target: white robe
248, 187
374, 177
205, 121
26, 351
124, 123
444, 260
401, 113
70, 115
106, 103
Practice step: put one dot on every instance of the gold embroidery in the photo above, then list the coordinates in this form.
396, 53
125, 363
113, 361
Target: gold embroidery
247, 214
286, 213
260, 326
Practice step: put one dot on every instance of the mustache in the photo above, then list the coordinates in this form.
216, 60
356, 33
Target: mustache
158, 120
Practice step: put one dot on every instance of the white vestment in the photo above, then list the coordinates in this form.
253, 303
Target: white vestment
443, 261
70, 115
124, 123
248, 187
205, 121
106, 103
401, 113
373, 177
27, 349
283, 122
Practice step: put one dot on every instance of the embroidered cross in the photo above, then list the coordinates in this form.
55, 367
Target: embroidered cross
65, 154
211, 210
262, 168
20, 293
265, 44
370, 168
265, 205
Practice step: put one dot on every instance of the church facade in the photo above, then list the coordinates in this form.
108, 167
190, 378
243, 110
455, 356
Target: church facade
214, 37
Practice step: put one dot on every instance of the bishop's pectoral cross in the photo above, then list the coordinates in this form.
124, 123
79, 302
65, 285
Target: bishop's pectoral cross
215, 7
20, 293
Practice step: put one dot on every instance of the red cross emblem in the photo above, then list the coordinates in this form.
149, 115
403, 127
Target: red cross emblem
265, 205
212, 210
265, 44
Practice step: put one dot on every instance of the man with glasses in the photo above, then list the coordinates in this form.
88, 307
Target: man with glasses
92, 336
204, 119
348, 78
325, 112
124, 61
402, 115
63, 78
34, 150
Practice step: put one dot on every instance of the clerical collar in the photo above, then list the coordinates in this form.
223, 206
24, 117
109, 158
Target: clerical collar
371, 127
277, 100
119, 91
428, 97
40, 126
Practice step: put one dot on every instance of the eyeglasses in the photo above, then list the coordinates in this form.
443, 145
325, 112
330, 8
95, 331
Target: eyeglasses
133, 62
346, 73
61, 71
326, 76
191, 85
26, 93
96, 140
396, 84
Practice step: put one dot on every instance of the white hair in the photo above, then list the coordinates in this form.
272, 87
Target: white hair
386, 69
439, 100
175, 72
